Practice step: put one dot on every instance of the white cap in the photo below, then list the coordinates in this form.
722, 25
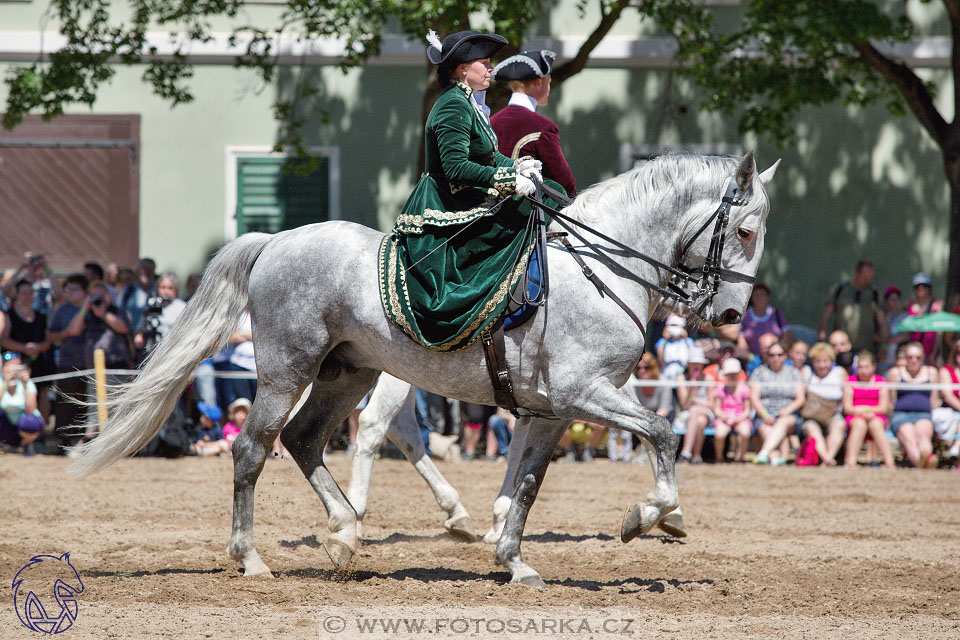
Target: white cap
674, 320
731, 365
697, 356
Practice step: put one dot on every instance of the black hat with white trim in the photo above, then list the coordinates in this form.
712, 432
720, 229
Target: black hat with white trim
463, 46
526, 65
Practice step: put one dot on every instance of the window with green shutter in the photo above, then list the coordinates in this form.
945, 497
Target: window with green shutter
275, 193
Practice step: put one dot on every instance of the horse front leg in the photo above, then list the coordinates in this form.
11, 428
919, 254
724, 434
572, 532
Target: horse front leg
534, 456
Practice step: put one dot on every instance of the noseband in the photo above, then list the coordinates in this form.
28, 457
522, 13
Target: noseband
688, 289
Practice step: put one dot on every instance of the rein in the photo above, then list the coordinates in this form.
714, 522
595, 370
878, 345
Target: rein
706, 277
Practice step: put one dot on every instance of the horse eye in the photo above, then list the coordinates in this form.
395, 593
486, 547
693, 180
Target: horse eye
744, 233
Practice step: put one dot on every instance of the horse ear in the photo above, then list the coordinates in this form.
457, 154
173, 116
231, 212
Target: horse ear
767, 175
746, 171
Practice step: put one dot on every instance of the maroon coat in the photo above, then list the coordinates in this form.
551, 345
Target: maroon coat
522, 132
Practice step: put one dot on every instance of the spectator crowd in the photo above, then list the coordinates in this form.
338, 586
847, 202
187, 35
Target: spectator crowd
854, 391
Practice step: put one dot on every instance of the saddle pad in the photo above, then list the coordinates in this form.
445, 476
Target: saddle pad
534, 287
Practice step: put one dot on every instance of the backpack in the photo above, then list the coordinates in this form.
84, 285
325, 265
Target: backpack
807, 455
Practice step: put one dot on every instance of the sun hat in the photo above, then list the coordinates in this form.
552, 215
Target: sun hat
211, 411
238, 404
526, 65
463, 46
674, 320
731, 365
697, 356
922, 278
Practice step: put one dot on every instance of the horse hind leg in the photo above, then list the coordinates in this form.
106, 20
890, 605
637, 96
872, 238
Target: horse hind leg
672, 523
266, 419
305, 437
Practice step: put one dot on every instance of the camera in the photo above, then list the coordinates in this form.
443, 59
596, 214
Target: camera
98, 301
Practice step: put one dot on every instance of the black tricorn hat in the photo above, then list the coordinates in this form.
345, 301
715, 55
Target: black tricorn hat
463, 46
526, 65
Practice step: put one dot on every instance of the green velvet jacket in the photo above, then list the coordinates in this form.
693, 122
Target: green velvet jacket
457, 248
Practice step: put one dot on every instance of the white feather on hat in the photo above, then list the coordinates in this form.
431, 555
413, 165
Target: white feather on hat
434, 40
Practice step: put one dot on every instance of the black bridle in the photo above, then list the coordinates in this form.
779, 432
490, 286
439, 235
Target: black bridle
677, 294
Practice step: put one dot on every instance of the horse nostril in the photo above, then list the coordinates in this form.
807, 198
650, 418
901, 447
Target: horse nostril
730, 316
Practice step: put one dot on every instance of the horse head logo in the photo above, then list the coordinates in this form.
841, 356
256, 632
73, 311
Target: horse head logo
42, 575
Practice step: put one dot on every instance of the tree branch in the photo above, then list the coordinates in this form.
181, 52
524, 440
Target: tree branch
912, 88
578, 62
953, 11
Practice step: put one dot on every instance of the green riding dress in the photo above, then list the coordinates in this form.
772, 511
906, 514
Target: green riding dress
457, 249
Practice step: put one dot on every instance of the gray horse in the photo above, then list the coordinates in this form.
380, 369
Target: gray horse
313, 298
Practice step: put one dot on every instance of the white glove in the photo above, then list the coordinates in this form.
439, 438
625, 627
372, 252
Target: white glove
525, 186
527, 163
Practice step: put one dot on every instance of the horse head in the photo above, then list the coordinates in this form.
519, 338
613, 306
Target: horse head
726, 252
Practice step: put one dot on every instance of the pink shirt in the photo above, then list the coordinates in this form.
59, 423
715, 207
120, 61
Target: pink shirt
732, 403
230, 432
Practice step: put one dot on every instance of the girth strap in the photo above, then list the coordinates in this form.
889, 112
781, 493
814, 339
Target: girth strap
495, 353
599, 284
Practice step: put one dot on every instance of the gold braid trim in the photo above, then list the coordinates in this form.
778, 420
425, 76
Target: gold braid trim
505, 180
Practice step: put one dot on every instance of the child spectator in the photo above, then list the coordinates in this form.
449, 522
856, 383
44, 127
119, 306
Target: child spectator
865, 410
946, 419
236, 416
20, 422
673, 349
731, 404
210, 430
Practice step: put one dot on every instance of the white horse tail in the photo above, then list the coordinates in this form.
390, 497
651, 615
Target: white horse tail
138, 409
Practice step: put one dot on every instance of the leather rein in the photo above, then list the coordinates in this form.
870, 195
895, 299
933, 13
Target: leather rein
677, 294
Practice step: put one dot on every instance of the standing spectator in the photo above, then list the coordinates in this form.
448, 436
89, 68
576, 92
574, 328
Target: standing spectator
854, 307
731, 404
892, 300
674, 348
777, 395
696, 408
946, 418
193, 283
761, 317
242, 360
139, 289
912, 408
20, 422
26, 333
171, 307
825, 385
865, 410
476, 416
46, 288
70, 359
520, 130
922, 304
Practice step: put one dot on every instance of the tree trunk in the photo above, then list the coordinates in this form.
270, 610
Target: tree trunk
952, 164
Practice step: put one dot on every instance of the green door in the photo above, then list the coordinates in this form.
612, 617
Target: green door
275, 194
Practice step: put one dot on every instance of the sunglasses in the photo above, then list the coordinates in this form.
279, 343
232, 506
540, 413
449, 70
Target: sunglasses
643, 368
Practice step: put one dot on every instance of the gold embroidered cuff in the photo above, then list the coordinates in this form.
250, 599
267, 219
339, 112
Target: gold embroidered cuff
505, 180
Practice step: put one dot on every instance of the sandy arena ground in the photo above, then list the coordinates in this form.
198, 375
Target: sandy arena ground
772, 553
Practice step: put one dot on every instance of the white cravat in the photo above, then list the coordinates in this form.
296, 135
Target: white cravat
480, 103
523, 100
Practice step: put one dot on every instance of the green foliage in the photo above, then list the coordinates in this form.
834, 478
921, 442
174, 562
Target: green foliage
784, 56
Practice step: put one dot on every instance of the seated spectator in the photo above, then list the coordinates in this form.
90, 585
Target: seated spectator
922, 304
731, 404
673, 348
912, 408
237, 414
946, 418
658, 399
797, 356
777, 395
895, 314
696, 408
20, 421
840, 342
824, 388
766, 341
865, 410
242, 360
726, 350
761, 317
211, 433
26, 333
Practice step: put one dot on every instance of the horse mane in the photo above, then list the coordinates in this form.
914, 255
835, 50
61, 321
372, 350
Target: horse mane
673, 181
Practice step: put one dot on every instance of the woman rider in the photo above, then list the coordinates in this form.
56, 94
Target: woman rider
458, 249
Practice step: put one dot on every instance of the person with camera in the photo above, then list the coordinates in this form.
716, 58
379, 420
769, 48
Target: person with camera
46, 288
20, 422
161, 311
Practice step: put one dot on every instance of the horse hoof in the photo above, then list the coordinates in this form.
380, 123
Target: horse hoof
340, 554
638, 519
256, 568
672, 525
531, 580
461, 528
